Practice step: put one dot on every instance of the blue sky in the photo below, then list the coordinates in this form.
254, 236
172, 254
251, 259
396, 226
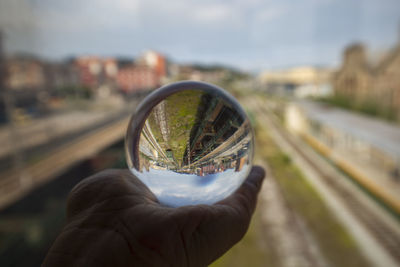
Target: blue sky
252, 34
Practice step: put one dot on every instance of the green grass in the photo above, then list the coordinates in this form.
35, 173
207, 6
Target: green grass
180, 110
252, 250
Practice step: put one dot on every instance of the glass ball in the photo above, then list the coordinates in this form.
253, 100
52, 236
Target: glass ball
190, 143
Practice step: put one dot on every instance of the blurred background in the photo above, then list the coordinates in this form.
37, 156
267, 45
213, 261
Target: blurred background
320, 81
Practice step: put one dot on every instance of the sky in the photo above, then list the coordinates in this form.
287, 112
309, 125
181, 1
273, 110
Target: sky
247, 34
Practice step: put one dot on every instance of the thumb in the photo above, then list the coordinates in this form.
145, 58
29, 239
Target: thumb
245, 198
210, 230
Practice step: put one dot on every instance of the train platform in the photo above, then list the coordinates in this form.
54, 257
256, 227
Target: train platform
377, 132
366, 148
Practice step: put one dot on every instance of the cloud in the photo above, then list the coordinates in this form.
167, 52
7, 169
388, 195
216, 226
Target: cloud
270, 13
245, 32
16, 14
126, 5
213, 13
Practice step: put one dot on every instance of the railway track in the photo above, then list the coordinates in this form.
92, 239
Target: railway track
384, 234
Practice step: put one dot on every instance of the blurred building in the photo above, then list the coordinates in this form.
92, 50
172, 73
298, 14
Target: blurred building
24, 73
301, 81
32, 82
35, 81
147, 73
137, 78
25, 83
98, 74
387, 79
154, 61
210, 74
59, 75
110, 67
91, 70
361, 80
354, 76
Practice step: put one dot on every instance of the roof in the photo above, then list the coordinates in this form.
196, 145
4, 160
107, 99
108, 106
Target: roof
376, 132
390, 57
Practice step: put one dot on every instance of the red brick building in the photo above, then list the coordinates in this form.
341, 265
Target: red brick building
147, 74
124, 75
136, 78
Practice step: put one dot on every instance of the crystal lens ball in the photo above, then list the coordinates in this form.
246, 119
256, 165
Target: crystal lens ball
190, 143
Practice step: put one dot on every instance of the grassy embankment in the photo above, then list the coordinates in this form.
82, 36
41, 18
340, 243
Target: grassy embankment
180, 111
370, 108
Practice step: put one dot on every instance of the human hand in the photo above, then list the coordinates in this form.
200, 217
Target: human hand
113, 219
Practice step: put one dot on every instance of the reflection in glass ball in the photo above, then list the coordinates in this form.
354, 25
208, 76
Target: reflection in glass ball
190, 143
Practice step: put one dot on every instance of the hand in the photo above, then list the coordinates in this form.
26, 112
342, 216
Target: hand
114, 220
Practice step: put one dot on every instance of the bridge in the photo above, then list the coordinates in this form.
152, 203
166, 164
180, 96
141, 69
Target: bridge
44, 161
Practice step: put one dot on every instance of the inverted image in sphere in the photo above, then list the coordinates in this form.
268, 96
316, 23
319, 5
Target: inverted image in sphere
190, 143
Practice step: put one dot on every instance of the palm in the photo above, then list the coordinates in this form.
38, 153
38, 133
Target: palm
114, 220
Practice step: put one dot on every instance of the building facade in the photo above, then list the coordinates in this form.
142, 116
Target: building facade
387, 80
24, 73
137, 78
361, 81
353, 78
301, 82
